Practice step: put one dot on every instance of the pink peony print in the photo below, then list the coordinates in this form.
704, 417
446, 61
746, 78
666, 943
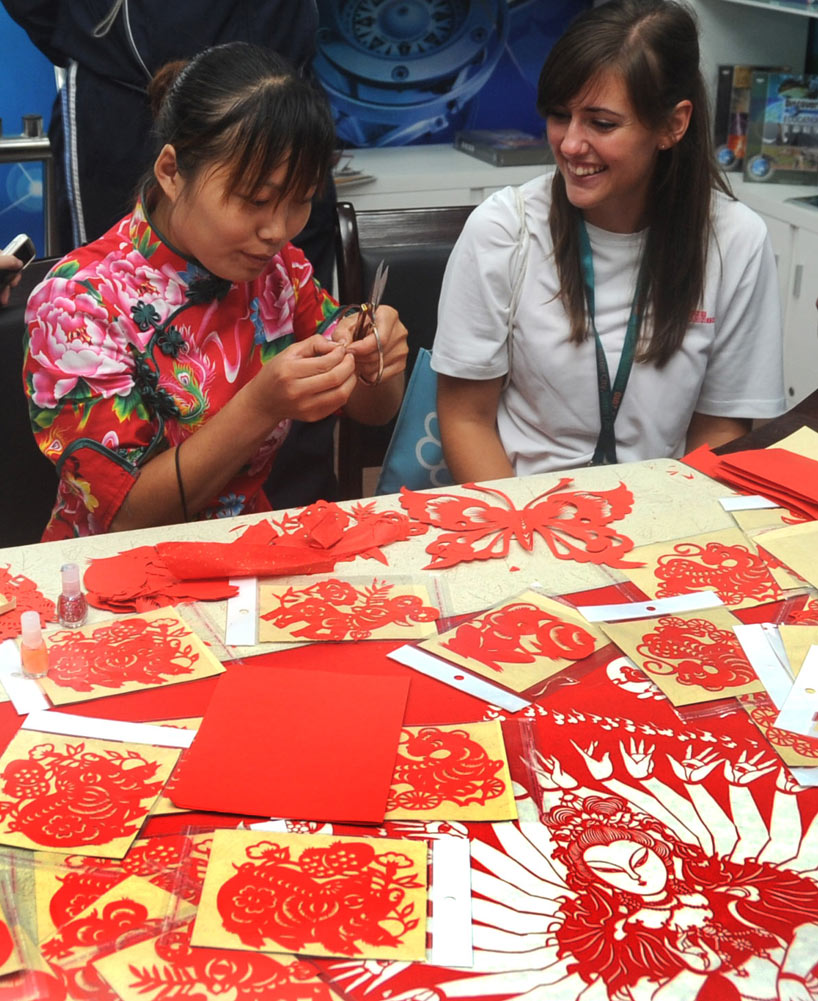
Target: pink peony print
274, 308
128, 279
71, 338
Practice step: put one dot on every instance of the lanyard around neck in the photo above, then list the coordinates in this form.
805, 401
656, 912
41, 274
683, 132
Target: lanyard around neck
609, 397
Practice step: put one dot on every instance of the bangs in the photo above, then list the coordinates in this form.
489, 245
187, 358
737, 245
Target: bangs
274, 126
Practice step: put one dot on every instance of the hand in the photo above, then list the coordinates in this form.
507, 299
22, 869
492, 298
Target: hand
694, 768
638, 760
601, 769
393, 336
747, 770
309, 380
550, 775
8, 262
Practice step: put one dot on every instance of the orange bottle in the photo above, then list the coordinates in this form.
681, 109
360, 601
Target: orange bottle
33, 651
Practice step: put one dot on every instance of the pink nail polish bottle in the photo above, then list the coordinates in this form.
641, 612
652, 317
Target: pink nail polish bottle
33, 651
72, 608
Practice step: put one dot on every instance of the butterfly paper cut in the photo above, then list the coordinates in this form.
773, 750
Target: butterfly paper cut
575, 524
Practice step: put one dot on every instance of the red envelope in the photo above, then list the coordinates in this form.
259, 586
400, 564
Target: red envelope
300, 744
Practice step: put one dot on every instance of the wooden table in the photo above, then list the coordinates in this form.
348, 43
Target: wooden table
697, 786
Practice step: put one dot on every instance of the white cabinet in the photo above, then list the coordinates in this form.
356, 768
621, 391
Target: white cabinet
793, 230
801, 324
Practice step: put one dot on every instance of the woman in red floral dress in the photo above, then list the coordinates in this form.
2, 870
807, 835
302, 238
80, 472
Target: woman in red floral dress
194, 320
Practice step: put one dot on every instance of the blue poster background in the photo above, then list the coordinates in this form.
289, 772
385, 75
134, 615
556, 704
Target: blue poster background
402, 72
28, 88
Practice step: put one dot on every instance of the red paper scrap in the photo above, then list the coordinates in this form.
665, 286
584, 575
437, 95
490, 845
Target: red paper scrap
27, 597
300, 744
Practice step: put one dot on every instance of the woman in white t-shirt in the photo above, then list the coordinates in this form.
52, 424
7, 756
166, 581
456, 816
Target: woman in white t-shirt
648, 319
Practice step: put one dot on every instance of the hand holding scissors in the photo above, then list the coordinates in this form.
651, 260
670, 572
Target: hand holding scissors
366, 319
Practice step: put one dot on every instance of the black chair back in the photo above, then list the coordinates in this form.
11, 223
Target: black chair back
28, 482
416, 244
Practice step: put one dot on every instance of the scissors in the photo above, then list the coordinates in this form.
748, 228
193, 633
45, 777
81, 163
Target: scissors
368, 308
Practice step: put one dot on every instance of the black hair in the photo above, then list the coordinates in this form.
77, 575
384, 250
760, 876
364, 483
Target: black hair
246, 108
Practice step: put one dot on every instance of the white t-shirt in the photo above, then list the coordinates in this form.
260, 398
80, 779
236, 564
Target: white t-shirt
729, 364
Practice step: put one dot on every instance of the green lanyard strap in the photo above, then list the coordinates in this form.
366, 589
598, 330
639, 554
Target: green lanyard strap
609, 399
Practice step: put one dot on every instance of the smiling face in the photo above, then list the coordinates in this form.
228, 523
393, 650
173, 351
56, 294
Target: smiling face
605, 154
233, 234
627, 866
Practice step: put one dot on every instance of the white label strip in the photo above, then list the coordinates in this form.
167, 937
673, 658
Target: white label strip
773, 675
108, 729
647, 609
242, 613
798, 714
752, 502
457, 677
279, 826
25, 694
450, 894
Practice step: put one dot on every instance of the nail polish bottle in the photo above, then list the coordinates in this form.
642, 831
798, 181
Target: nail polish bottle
33, 652
72, 608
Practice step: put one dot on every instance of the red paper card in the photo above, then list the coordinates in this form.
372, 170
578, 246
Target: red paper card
300, 744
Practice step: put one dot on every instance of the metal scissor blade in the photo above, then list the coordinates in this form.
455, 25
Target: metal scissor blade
378, 285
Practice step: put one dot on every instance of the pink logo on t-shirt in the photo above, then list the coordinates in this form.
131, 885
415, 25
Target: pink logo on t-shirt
700, 316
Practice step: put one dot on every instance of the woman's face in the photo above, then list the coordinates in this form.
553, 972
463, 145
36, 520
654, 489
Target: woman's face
627, 866
605, 154
232, 233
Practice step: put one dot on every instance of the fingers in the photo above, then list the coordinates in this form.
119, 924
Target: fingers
393, 347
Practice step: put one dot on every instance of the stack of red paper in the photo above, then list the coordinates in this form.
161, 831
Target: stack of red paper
789, 479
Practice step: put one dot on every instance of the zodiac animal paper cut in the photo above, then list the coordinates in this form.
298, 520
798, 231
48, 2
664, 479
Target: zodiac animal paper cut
125, 655
317, 894
792, 748
66, 885
452, 773
692, 656
134, 908
335, 610
521, 642
168, 968
27, 597
574, 524
726, 562
68, 796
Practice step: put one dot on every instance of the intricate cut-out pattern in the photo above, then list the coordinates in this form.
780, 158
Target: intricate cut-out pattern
63, 796
443, 766
170, 969
337, 610
519, 633
148, 651
27, 597
574, 524
340, 897
735, 573
763, 713
696, 652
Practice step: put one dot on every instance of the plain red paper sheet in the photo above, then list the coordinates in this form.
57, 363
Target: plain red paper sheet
297, 744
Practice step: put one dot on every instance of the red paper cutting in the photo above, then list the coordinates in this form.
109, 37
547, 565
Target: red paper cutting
497, 637
295, 743
337, 897
575, 524
735, 573
443, 766
27, 597
336, 610
696, 652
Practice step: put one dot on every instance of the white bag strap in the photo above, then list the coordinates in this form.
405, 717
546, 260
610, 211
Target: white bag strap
520, 264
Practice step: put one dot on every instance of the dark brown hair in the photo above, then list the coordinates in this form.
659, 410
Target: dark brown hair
653, 45
245, 108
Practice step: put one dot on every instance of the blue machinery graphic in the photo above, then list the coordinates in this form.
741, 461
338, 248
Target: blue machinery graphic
403, 71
